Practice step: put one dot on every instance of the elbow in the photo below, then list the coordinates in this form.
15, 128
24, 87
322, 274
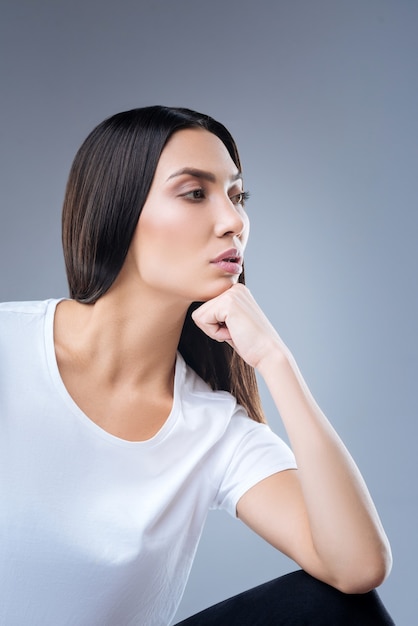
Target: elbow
366, 576
362, 583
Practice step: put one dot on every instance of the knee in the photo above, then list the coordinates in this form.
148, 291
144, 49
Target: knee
311, 601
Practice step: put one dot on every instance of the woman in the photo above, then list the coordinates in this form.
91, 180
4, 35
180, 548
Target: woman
130, 409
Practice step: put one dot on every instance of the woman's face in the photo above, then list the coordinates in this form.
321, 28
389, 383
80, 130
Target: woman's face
191, 235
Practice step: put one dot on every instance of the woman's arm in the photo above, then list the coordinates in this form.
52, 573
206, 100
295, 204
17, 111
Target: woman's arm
321, 515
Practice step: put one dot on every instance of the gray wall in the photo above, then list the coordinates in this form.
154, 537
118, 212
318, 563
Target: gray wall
322, 98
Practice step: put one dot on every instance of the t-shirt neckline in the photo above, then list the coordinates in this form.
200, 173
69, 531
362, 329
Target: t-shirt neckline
179, 376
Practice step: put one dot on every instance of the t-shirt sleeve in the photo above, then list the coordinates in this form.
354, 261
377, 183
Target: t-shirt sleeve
249, 453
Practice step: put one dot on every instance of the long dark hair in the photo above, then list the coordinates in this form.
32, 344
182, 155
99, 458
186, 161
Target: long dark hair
107, 187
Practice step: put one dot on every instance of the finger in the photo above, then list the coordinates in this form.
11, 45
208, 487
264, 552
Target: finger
210, 313
212, 328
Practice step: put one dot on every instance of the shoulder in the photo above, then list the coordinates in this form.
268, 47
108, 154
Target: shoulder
214, 410
14, 310
18, 319
220, 410
198, 394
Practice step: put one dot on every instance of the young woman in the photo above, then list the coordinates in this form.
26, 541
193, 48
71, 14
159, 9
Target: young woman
130, 409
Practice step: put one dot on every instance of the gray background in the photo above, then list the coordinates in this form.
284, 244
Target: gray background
322, 98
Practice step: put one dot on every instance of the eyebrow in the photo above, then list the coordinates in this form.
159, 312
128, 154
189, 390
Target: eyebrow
196, 173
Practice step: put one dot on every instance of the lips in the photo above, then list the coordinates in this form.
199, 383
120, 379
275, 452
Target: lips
230, 261
229, 256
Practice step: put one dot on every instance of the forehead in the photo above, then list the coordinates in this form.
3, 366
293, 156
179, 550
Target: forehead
196, 148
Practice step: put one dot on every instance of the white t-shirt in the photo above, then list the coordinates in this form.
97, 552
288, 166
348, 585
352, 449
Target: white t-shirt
96, 530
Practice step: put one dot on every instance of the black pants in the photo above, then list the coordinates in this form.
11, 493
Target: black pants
295, 599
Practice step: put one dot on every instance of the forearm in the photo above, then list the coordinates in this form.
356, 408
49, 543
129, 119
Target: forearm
345, 527
323, 517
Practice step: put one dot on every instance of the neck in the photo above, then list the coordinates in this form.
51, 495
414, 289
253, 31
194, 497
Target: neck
133, 339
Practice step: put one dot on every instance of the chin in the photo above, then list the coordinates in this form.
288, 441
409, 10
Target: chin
220, 288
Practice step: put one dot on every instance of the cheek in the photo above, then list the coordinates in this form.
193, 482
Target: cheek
154, 226
170, 225
163, 237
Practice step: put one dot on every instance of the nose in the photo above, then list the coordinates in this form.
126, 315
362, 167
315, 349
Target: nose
231, 219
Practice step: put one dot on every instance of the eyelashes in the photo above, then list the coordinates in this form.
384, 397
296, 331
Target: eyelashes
197, 195
240, 198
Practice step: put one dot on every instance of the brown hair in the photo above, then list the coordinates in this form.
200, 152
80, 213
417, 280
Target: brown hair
107, 187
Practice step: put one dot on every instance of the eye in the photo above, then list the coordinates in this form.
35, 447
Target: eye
240, 198
195, 195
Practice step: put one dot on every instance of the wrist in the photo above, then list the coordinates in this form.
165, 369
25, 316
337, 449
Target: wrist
277, 358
